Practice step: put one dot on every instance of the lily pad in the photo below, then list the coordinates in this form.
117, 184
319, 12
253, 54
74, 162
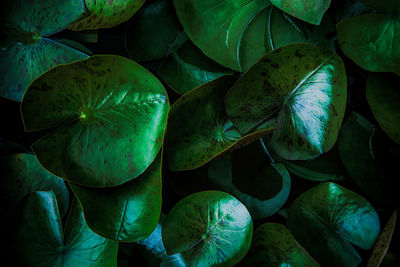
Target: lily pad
110, 114
384, 100
300, 87
247, 175
37, 238
208, 228
106, 13
371, 40
28, 52
22, 174
328, 218
274, 245
198, 128
131, 210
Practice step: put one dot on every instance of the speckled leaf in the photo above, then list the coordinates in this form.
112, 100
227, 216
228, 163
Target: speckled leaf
381, 245
303, 88
107, 13
274, 246
130, 211
198, 128
328, 218
209, 228
111, 115
152, 31
310, 11
21, 63
37, 238
21, 174
189, 68
355, 151
384, 99
371, 41
247, 175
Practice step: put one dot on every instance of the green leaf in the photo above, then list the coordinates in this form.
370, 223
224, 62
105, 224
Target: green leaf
247, 175
371, 40
189, 68
106, 13
303, 88
198, 128
152, 30
384, 100
310, 11
355, 150
274, 245
209, 228
130, 211
327, 218
21, 174
28, 53
390, 6
37, 238
110, 115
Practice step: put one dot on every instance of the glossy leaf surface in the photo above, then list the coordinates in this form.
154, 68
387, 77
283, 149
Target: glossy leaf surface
310, 11
21, 174
198, 128
209, 228
106, 13
384, 99
131, 210
328, 218
110, 112
38, 238
274, 245
247, 175
303, 88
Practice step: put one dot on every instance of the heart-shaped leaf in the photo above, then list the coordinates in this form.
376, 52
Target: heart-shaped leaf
274, 245
37, 239
131, 210
303, 88
198, 128
247, 175
110, 113
327, 218
21, 174
208, 228
310, 11
384, 100
106, 13
28, 54
371, 40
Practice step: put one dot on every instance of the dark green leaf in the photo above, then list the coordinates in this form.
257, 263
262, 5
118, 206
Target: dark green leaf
209, 228
328, 218
111, 115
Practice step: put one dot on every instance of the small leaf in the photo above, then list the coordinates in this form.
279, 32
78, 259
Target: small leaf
327, 218
111, 115
209, 228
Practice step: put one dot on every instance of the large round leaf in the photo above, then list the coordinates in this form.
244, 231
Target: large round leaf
198, 128
27, 53
21, 174
37, 239
384, 100
209, 228
303, 88
273, 245
328, 218
129, 212
247, 175
110, 113
310, 11
106, 13
371, 40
